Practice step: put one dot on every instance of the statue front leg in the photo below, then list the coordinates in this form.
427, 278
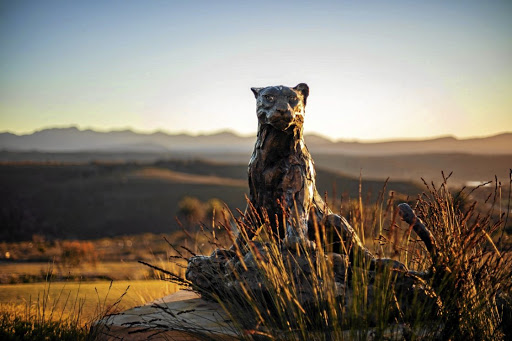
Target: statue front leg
344, 240
296, 200
296, 234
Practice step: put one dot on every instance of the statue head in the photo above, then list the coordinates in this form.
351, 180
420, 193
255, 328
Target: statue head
280, 106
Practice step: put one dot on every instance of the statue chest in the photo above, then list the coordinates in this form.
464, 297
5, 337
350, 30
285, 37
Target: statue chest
270, 170
283, 177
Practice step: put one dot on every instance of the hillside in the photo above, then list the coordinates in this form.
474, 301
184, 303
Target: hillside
92, 200
68, 183
75, 140
466, 167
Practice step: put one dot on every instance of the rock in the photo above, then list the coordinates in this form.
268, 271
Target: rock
182, 316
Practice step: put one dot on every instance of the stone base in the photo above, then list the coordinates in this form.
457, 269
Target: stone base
185, 316
182, 316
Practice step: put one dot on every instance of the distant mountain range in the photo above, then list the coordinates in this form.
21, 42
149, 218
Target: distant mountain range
75, 140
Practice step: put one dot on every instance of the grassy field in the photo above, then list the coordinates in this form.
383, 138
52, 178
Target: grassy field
91, 296
26, 272
56, 301
94, 298
68, 311
126, 248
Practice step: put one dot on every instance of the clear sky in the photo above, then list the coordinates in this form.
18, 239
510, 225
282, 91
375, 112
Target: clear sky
376, 69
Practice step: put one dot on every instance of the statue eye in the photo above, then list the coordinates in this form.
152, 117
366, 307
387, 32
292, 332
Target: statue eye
292, 98
269, 98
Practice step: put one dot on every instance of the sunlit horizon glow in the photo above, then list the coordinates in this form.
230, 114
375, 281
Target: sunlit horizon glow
250, 134
376, 71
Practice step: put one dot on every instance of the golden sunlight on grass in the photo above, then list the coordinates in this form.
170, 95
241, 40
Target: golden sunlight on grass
66, 298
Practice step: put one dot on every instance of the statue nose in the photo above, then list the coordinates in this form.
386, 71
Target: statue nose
282, 109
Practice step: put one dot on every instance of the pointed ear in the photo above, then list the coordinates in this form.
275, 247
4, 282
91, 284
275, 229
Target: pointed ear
256, 91
304, 90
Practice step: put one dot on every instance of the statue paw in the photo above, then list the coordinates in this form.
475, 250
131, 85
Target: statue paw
386, 263
295, 242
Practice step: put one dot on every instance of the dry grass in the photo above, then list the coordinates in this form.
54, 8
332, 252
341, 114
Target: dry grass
54, 314
139, 292
67, 310
465, 293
